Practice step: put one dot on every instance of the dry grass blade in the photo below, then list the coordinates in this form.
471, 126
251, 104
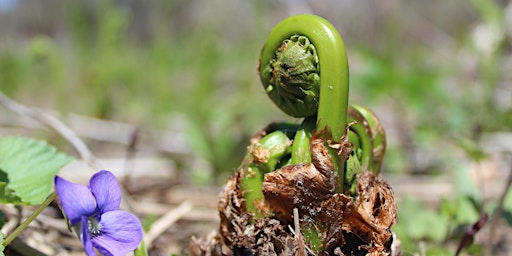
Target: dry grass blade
51, 122
167, 220
498, 213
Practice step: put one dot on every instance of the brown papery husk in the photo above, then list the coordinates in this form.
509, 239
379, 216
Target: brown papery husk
347, 225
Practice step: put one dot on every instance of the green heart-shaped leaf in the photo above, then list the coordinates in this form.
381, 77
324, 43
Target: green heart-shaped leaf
27, 169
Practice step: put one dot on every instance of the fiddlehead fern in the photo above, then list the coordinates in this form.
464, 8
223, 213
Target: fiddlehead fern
371, 135
293, 77
304, 70
324, 170
281, 72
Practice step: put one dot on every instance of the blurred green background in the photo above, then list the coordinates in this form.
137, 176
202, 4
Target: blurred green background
437, 73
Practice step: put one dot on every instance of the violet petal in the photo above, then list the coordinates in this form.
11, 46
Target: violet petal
86, 238
121, 232
77, 200
107, 191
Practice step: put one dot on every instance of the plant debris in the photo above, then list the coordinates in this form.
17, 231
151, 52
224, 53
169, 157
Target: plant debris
345, 225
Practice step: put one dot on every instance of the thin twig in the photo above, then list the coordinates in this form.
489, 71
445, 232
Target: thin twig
51, 122
499, 210
298, 234
162, 224
128, 167
131, 150
302, 247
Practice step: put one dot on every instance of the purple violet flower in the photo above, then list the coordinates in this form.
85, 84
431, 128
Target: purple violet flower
93, 212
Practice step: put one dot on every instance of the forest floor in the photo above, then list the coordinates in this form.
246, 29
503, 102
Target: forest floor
173, 208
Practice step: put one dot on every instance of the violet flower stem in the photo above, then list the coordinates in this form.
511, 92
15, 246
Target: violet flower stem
30, 218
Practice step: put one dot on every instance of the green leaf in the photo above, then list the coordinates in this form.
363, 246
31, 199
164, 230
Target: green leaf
417, 222
27, 169
507, 207
2, 219
438, 251
467, 213
6, 193
141, 250
464, 186
2, 248
472, 149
